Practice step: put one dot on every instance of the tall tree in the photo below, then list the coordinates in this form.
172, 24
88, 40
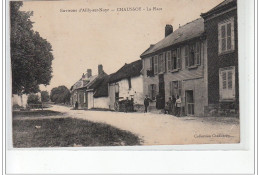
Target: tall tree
60, 94
31, 56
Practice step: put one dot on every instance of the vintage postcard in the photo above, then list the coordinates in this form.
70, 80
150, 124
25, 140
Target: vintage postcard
111, 73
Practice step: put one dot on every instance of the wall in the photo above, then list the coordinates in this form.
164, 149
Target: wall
90, 100
101, 102
111, 94
136, 91
216, 61
20, 100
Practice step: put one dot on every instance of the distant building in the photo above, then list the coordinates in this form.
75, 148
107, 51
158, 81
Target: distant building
127, 82
177, 66
83, 90
222, 38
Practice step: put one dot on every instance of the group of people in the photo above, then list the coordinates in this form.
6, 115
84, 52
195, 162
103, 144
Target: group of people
173, 106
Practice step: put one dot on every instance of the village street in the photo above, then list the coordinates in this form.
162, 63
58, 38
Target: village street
156, 129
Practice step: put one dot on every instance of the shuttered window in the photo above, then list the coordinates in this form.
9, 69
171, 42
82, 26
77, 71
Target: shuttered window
227, 83
226, 38
175, 88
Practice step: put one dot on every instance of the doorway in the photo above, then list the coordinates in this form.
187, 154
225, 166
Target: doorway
161, 96
189, 102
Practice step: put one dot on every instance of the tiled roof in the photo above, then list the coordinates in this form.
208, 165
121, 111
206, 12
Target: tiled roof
222, 4
128, 70
188, 31
84, 82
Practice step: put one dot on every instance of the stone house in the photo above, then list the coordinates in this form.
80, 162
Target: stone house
127, 82
177, 65
222, 38
84, 89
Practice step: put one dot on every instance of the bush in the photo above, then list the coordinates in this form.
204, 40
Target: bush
33, 99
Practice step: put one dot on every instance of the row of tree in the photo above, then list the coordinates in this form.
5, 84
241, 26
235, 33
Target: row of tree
59, 94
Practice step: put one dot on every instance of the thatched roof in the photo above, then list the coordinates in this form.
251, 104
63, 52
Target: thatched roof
128, 70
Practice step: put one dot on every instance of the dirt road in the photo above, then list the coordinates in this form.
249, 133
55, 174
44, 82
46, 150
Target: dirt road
160, 129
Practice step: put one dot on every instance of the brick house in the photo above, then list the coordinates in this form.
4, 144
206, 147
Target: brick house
177, 65
127, 82
222, 38
84, 89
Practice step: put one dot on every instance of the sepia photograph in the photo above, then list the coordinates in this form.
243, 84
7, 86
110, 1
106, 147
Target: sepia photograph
98, 73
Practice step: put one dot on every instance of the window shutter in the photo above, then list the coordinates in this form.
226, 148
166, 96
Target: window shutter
220, 84
169, 60
154, 88
156, 64
198, 53
234, 82
151, 63
219, 39
178, 58
224, 78
179, 87
163, 61
149, 91
232, 35
170, 85
229, 79
186, 56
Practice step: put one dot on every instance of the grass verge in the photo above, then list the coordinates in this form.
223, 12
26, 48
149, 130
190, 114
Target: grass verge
68, 132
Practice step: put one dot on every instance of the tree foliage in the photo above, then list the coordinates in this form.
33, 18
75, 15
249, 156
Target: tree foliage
31, 56
60, 94
33, 99
45, 96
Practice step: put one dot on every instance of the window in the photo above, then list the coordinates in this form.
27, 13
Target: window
226, 36
152, 91
129, 82
156, 64
179, 58
169, 62
175, 88
227, 83
174, 60
194, 55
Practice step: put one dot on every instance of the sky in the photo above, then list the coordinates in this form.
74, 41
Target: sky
83, 40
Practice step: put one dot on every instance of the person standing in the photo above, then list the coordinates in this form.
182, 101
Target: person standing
178, 106
146, 103
170, 105
173, 105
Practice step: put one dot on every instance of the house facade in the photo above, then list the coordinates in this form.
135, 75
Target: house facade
83, 90
177, 66
222, 38
127, 82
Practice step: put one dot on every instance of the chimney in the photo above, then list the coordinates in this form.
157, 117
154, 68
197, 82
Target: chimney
100, 69
168, 29
83, 76
89, 73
